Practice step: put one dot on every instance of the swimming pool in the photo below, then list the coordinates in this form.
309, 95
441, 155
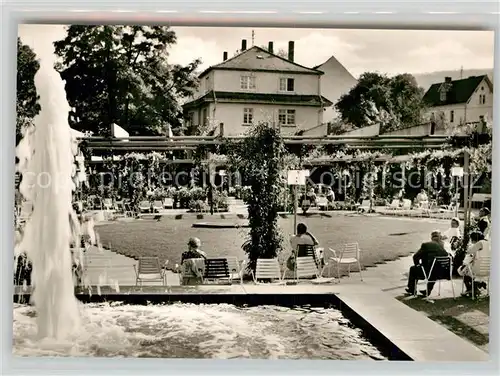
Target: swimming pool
220, 331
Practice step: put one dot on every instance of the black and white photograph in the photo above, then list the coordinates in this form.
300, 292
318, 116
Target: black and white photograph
248, 192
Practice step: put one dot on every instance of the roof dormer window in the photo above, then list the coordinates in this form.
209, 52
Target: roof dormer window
442, 94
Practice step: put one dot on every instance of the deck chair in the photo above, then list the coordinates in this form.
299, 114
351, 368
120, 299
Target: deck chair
107, 204
157, 206
217, 270
236, 268
268, 269
365, 206
406, 208
394, 206
350, 255
441, 270
168, 203
149, 269
482, 274
145, 206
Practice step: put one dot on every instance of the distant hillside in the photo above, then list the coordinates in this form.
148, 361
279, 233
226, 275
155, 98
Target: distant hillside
425, 80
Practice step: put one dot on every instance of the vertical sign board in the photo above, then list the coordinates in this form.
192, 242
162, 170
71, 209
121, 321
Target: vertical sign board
296, 178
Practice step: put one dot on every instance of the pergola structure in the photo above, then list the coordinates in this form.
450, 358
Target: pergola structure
120, 145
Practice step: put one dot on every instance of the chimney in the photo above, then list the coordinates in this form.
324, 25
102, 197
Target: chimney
447, 80
224, 56
243, 44
270, 47
291, 50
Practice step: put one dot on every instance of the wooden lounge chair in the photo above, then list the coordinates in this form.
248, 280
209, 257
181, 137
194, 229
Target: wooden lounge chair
268, 269
149, 269
217, 270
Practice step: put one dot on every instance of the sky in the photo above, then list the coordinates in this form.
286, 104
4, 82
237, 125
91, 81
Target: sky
385, 51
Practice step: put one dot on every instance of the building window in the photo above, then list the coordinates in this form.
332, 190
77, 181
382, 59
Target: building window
247, 116
287, 84
286, 117
247, 82
452, 116
482, 98
205, 117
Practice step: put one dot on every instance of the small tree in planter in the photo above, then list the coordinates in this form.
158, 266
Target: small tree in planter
260, 157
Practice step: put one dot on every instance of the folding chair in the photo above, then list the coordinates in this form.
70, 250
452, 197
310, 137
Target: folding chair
441, 269
236, 268
149, 269
483, 272
268, 269
217, 270
350, 255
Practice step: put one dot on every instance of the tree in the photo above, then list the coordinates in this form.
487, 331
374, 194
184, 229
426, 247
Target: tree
280, 52
261, 157
27, 106
394, 102
121, 74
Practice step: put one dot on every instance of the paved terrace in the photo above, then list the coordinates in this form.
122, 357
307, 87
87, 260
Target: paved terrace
373, 301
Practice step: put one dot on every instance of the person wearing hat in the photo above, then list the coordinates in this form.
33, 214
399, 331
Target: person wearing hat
423, 260
193, 263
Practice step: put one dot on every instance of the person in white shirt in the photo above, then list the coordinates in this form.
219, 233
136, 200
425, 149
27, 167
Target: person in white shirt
452, 236
478, 249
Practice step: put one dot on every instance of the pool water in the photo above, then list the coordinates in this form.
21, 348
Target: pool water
200, 331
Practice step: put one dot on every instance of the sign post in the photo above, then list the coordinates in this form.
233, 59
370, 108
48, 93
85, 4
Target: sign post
296, 178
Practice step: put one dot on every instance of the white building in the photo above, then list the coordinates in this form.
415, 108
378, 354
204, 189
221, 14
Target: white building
335, 82
258, 86
460, 101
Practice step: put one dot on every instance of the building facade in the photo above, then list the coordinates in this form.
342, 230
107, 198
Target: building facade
461, 101
258, 86
335, 82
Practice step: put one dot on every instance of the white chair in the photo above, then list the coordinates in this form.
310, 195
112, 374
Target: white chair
268, 269
305, 267
157, 206
448, 211
350, 255
25, 211
365, 206
393, 207
322, 203
107, 204
444, 267
483, 273
145, 206
168, 203
406, 208
236, 268
150, 270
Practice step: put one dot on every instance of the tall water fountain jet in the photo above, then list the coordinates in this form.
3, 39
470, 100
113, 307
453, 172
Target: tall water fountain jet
46, 162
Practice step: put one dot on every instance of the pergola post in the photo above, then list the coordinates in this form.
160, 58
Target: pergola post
466, 190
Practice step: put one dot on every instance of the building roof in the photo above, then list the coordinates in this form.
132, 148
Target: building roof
258, 59
265, 98
459, 91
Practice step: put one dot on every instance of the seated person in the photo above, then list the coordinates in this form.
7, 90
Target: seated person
479, 247
193, 263
452, 236
483, 222
303, 237
423, 260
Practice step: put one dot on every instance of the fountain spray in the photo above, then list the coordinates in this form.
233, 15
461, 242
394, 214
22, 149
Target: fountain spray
46, 162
